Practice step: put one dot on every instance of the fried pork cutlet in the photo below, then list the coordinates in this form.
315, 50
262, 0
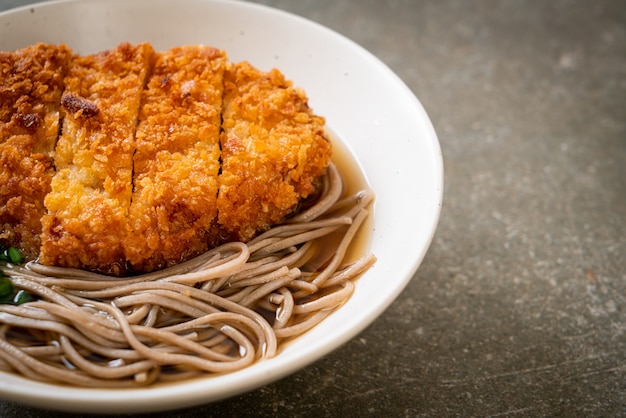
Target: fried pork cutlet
91, 190
273, 151
161, 155
176, 164
31, 83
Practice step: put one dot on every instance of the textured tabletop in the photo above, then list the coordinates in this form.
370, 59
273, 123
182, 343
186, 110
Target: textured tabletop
519, 308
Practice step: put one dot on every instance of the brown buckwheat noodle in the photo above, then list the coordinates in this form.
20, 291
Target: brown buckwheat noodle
216, 313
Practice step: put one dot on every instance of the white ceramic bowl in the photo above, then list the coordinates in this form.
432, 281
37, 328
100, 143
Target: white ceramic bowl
376, 116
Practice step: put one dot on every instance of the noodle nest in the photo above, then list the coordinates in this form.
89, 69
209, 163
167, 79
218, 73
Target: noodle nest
216, 313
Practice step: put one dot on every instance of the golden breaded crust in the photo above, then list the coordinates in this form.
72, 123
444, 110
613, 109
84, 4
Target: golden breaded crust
91, 190
273, 151
31, 83
162, 155
24, 183
173, 209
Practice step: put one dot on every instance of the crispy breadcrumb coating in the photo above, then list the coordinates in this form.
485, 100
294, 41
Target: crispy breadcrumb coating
161, 156
173, 208
31, 83
91, 190
273, 151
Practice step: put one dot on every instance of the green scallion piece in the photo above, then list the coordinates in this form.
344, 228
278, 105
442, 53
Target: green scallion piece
15, 255
6, 287
22, 297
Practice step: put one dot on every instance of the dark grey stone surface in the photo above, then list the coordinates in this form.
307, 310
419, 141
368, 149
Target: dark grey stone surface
519, 308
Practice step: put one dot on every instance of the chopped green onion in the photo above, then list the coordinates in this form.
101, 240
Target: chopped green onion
21, 297
15, 255
6, 287
7, 292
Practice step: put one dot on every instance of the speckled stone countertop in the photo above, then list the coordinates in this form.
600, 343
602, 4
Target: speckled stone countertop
519, 308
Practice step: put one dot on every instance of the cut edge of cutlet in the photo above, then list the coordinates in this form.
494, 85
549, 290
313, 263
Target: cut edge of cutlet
30, 93
176, 163
91, 189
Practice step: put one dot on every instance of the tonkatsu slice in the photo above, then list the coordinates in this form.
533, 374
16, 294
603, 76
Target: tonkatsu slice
273, 151
91, 190
176, 163
31, 83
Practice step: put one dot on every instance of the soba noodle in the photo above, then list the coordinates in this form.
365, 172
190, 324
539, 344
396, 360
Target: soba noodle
216, 313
